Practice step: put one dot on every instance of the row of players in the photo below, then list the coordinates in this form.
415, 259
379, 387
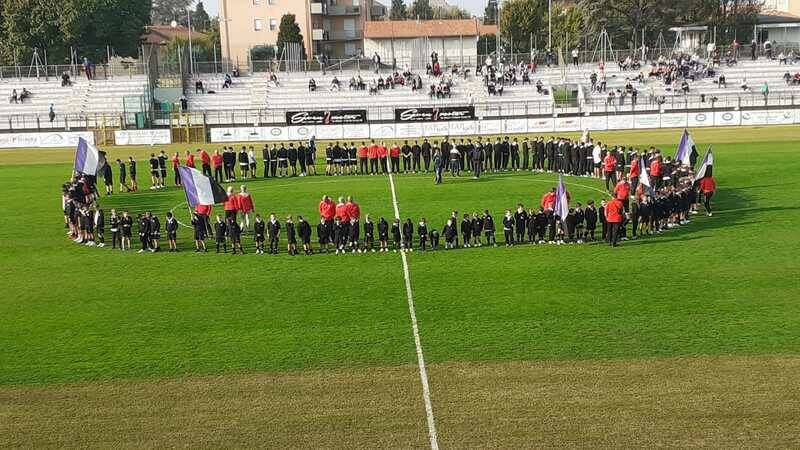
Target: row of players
342, 234
563, 155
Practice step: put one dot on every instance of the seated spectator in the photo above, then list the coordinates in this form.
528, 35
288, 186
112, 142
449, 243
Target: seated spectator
490, 87
373, 88
538, 86
380, 83
273, 79
721, 81
312, 85
335, 85
685, 87
796, 79
744, 85
360, 83
25, 94
781, 58
432, 92
65, 80
526, 79
199, 88
499, 90
14, 97
236, 72
787, 77
228, 82
352, 85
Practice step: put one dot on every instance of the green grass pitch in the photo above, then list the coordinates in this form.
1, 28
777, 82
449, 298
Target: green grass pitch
725, 285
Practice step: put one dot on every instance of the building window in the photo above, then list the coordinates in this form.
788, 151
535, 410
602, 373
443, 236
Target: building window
256, 2
258, 24
273, 24
272, 2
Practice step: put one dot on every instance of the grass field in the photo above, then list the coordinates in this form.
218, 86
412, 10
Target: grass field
691, 338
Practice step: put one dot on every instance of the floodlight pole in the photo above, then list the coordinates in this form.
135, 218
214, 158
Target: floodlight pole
189, 21
550, 24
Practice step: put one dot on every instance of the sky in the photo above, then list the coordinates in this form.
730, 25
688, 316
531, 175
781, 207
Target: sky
474, 6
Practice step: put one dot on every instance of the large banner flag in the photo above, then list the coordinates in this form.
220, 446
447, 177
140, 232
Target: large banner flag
561, 207
200, 189
88, 159
684, 152
706, 166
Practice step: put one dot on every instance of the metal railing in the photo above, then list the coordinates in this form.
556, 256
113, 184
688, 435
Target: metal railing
51, 71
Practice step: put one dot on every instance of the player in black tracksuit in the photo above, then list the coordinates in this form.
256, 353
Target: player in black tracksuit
172, 232
383, 234
291, 237
369, 234
273, 232
259, 233
590, 214
323, 236
488, 228
408, 236
531, 226
144, 232
508, 228
304, 231
396, 234
235, 233
520, 222
466, 230
422, 231
220, 233
477, 229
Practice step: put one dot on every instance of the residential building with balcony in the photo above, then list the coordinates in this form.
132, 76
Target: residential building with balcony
334, 28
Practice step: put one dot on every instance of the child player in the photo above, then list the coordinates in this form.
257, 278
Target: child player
220, 231
383, 234
291, 237
259, 231
322, 235
172, 232
304, 231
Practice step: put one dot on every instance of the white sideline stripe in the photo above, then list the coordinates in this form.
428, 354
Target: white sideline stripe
423, 373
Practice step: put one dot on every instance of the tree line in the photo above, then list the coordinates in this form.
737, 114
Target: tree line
89, 27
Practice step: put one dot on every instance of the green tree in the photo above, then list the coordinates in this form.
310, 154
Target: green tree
262, 53
568, 28
165, 11
490, 13
398, 11
487, 44
450, 13
288, 32
421, 9
200, 19
520, 21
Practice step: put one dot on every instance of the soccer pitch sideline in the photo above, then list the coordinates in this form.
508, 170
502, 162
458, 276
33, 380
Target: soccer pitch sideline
687, 339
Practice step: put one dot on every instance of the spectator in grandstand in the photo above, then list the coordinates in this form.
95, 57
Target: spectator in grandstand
87, 69
65, 80
336, 85
235, 72
199, 88
24, 94
312, 85
51, 113
184, 103
782, 59
765, 90
14, 97
721, 81
227, 82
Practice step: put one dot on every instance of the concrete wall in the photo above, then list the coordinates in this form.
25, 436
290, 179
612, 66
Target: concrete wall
416, 52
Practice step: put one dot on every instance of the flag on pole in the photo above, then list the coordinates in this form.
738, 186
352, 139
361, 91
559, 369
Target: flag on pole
89, 160
683, 154
200, 189
706, 166
644, 178
561, 207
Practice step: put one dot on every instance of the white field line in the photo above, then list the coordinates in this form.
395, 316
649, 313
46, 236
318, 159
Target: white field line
423, 373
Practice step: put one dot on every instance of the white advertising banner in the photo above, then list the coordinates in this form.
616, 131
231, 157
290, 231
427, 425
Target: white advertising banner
356, 131
754, 118
45, 139
143, 137
541, 125
301, 133
673, 120
515, 126
409, 130
463, 127
567, 123
382, 131
646, 121
727, 118
594, 123
436, 129
700, 119
797, 116
619, 122
329, 132
780, 117
490, 127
